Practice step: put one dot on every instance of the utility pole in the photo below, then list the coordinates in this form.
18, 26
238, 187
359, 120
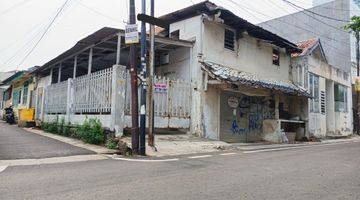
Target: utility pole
142, 149
357, 36
151, 78
134, 89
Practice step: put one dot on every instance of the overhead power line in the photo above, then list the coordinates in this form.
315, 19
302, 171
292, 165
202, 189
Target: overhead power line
312, 12
44, 33
99, 13
309, 15
296, 26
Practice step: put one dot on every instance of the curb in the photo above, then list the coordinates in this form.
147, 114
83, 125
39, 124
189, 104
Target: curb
74, 142
286, 146
52, 160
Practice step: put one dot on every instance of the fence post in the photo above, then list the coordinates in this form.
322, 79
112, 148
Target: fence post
118, 99
43, 104
69, 99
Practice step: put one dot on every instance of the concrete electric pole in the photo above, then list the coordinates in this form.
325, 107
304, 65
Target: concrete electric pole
151, 141
142, 149
134, 88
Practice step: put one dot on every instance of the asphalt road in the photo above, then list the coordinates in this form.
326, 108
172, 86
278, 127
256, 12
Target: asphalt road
318, 172
16, 143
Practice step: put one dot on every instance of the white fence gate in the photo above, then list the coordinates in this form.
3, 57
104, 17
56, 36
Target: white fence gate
93, 92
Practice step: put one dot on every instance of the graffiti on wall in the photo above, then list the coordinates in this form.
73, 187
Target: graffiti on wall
248, 117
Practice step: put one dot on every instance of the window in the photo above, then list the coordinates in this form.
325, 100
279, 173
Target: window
299, 75
16, 97
25, 94
323, 102
229, 40
175, 34
276, 57
314, 92
340, 98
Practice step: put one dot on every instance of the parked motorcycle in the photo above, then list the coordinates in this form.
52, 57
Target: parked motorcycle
9, 115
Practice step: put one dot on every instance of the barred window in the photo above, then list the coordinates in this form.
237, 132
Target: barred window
276, 57
229, 40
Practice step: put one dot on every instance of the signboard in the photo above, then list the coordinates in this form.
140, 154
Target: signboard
233, 102
131, 34
160, 87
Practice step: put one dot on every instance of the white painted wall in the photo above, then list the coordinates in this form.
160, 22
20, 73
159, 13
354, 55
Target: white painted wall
339, 123
252, 55
212, 113
179, 65
317, 121
191, 29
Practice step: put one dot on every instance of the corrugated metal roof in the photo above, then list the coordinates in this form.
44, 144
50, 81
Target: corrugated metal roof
233, 76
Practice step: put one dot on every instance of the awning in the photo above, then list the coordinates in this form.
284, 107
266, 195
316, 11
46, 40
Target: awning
232, 76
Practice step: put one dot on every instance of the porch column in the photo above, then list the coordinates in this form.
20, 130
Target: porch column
75, 66
277, 100
69, 100
59, 74
118, 51
90, 60
330, 107
118, 99
51, 74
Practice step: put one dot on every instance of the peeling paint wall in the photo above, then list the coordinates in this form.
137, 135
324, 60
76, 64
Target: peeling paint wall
330, 122
191, 29
212, 113
251, 54
178, 66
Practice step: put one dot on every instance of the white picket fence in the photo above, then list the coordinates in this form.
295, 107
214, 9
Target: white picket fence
92, 94
56, 98
171, 97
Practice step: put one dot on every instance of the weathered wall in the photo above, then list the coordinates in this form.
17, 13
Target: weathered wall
212, 113
317, 121
179, 65
251, 56
330, 123
191, 29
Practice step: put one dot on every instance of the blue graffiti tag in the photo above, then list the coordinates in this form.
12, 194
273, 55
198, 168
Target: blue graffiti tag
236, 129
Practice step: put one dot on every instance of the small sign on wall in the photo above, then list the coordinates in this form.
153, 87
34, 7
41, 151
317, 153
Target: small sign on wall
160, 87
233, 102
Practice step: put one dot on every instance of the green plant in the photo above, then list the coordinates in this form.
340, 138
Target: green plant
111, 144
91, 131
49, 127
60, 126
66, 130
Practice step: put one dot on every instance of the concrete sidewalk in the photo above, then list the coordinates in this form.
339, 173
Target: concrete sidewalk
16, 143
168, 145
263, 146
183, 144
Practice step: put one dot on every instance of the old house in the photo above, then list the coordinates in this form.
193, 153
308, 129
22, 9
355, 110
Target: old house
241, 85
330, 87
218, 76
20, 91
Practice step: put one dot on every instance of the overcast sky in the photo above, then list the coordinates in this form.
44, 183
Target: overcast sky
23, 21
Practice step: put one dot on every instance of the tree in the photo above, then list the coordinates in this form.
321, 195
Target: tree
354, 27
